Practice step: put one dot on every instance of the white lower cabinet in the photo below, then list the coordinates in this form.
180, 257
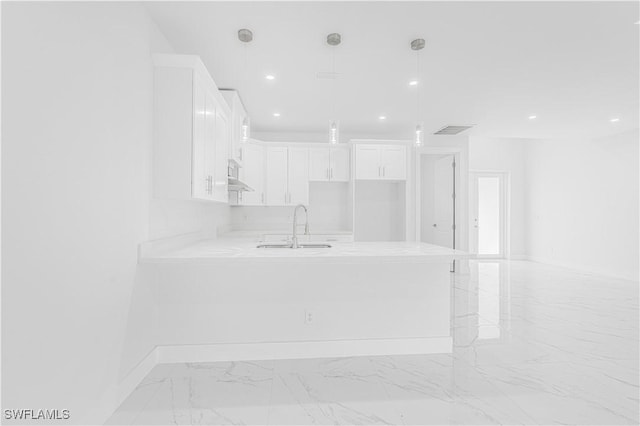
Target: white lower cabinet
329, 164
287, 176
380, 162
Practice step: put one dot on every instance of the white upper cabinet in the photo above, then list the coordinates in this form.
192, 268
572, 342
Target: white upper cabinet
191, 131
319, 164
277, 176
329, 164
339, 165
298, 176
239, 117
393, 159
368, 162
252, 173
287, 176
380, 162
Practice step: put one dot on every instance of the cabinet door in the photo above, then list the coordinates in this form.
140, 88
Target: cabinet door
319, 164
368, 162
276, 165
252, 173
298, 176
237, 141
394, 162
199, 173
339, 165
220, 171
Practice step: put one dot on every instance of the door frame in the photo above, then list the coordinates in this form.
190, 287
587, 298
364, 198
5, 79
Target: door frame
504, 178
461, 190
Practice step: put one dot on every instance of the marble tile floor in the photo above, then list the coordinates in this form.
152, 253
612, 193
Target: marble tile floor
533, 344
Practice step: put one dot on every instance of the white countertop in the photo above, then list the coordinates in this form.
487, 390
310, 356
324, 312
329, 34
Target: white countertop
243, 251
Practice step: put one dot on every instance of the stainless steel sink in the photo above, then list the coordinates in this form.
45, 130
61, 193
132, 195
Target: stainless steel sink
302, 245
274, 246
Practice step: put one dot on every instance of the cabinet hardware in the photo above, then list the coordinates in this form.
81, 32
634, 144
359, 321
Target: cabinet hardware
379, 169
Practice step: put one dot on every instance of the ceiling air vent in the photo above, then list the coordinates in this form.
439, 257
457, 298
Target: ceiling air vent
452, 130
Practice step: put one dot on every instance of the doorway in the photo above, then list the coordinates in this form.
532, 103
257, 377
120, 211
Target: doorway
489, 214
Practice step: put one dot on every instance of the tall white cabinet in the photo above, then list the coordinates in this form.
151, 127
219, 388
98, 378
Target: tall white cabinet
191, 131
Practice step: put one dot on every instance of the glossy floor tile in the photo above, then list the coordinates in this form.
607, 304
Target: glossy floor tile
533, 344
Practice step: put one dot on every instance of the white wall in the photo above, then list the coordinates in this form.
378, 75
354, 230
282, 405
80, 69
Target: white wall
506, 155
583, 204
77, 137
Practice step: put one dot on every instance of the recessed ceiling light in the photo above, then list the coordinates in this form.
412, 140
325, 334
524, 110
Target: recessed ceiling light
614, 120
382, 117
276, 114
413, 83
270, 77
533, 117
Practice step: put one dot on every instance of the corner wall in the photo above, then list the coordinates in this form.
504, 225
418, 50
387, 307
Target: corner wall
77, 312
582, 200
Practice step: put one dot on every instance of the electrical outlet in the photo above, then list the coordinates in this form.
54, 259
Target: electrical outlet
308, 316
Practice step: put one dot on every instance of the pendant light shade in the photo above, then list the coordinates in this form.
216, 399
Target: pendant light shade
418, 138
334, 132
246, 129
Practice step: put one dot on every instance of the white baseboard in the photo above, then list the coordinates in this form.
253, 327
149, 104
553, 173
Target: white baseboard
519, 257
135, 376
116, 396
310, 349
584, 269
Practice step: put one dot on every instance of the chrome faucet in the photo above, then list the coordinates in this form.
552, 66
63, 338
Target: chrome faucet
294, 242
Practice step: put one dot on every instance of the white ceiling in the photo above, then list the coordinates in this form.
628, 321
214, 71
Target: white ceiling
572, 64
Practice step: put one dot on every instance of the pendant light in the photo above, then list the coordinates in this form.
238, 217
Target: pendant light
333, 40
418, 137
245, 36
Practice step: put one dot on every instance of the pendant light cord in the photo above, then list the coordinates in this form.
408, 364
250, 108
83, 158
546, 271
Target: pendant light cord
418, 86
333, 84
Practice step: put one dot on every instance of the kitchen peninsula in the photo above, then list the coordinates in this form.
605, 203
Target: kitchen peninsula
228, 299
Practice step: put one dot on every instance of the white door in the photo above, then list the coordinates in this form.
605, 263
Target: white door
276, 176
252, 173
394, 162
298, 181
319, 164
199, 175
368, 162
488, 218
339, 165
443, 202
